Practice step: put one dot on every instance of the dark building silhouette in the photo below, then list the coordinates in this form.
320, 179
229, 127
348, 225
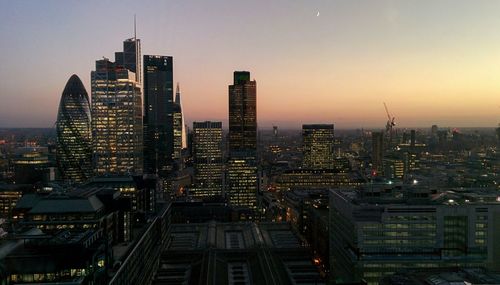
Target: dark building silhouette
130, 57
241, 175
74, 134
242, 113
158, 113
377, 151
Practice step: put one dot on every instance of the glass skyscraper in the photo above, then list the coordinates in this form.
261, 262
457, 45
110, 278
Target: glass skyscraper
207, 158
241, 175
178, 118
242, 113
116, 118
158, 116
74, 136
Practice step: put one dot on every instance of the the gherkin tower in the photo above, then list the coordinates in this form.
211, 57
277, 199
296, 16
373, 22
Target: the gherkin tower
74, 133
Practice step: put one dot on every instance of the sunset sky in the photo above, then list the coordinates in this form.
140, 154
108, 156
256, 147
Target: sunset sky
431, 61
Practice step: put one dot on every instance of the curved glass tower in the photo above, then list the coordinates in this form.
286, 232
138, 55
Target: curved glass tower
74, 139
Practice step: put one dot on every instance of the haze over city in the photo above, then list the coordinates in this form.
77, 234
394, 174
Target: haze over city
432, 62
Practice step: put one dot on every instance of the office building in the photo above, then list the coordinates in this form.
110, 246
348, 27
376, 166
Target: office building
74, 133
242, 113
394, 168
32, 165
130, 57
116, 118
383, 228
306, 179
318, 144
207, 159
9, 195
241, 176
158, 114
377, 152
241, 180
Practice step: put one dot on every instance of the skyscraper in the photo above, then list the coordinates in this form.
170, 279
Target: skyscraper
207, 158
242, 183
178, 118
158, 118
116, 119
318, 144
130, 57
377, 151
74, 135
242, 113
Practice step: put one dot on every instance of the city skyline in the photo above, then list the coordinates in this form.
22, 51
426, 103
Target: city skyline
337, 64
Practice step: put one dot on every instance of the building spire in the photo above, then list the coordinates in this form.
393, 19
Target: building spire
135, 28
178, 95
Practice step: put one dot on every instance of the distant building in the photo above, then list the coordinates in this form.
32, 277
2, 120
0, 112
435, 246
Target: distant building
207, 159
32, 165
316, 179
178, 126
9, 195
384, 228
318, 141
74, 133
116, 119
377, 152
394, 168
158, 114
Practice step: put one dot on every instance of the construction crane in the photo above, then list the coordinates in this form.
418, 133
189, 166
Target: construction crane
390, 123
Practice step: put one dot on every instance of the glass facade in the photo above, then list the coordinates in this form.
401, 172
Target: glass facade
158, 114
207, 158
242, 184
74, 136
242, 113
242, 180
370, 240
318, 143
116, 120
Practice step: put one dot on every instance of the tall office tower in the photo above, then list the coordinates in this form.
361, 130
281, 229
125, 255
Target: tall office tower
207, 158
242, 113
178, 124
74, 133
377, 151
318, 144
130, 57
242, 184
116, 120
158, 118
